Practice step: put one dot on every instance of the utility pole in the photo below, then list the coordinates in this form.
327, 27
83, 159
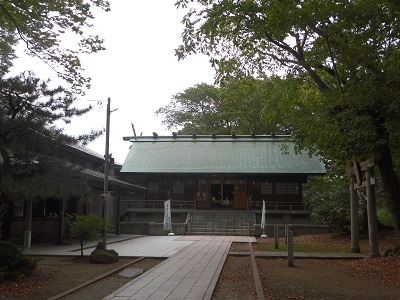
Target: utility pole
106, 195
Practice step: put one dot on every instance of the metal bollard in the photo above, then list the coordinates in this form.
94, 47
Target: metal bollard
290, 249
286, 230
276, 236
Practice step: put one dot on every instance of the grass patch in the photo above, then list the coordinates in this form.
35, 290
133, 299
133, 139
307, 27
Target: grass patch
320, 244
299, 247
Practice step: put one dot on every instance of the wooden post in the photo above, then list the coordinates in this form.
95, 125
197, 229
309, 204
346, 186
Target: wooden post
290, 249
372, 213
355, 236
276, 236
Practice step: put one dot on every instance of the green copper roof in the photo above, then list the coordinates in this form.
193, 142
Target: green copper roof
218, 154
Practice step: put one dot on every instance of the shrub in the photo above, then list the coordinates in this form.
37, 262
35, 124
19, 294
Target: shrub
385, 217
328, 197
13, 263
85, 227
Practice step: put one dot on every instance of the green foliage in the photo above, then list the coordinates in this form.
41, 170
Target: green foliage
13, 263
243, 106
29, 140
348, 50
328, 197
344, 56
85, 227
196, 110
42, 25
385, 217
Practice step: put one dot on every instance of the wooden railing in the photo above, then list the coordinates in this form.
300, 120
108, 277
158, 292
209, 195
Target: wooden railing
156, 204
279, 206
183, 204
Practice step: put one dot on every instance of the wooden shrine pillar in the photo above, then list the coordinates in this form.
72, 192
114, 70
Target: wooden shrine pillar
371, 210
368, 182
354, 227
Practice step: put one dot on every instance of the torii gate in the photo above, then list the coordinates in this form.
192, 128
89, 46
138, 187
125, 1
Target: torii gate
368, 181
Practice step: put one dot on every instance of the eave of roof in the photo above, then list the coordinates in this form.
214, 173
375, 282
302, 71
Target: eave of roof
113, 182
87, 153
218, 155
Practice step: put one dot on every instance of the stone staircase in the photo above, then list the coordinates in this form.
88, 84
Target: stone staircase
221, 223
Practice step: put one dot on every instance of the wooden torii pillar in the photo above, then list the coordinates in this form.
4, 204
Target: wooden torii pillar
354, 227
357, 182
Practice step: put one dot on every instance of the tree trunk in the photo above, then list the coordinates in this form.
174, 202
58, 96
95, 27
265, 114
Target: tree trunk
391, 184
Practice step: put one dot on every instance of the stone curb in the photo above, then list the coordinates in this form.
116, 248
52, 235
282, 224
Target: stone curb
302, 255
256, 275
98, 278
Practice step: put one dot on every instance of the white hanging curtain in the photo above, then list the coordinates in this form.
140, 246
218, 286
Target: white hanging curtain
263, 216
167, 215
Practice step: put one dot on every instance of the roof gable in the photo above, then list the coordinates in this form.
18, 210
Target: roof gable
218, 154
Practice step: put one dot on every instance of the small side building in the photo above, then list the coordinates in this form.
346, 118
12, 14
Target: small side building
43, 216
218, 175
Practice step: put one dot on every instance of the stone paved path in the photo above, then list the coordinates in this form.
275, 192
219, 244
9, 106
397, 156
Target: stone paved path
191, 273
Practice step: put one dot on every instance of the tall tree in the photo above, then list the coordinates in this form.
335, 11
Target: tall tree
195, 111
346, 49
41, 25
243, 106
29, 140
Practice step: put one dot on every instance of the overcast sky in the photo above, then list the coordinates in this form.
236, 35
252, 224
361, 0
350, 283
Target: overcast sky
138, 71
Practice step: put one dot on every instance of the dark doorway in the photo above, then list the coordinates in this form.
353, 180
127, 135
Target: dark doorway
216, 192
227, 191
222, 195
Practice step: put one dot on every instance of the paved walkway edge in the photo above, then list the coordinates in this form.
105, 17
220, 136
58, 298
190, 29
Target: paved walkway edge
213, 283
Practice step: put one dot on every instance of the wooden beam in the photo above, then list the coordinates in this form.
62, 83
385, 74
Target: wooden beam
370, 163
364, 183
